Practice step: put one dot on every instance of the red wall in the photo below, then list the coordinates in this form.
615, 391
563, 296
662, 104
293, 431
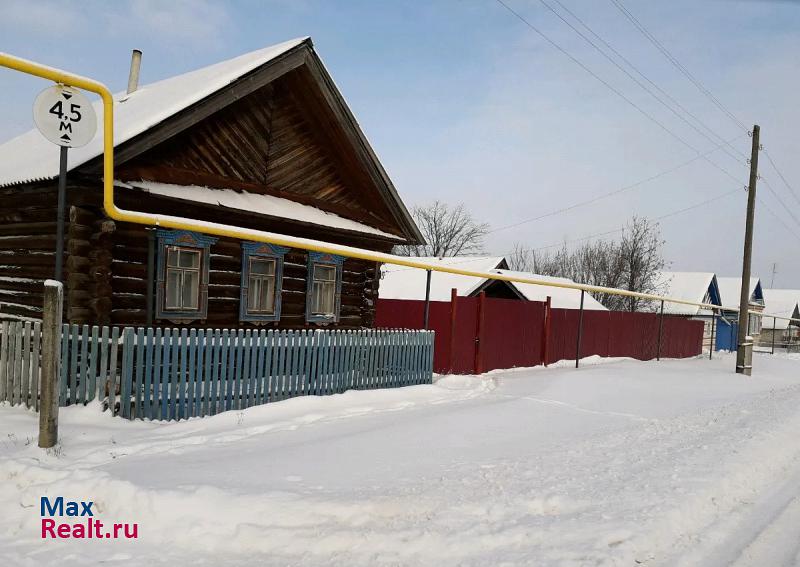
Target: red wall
504, 333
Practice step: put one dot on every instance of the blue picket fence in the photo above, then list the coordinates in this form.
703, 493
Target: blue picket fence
165, 374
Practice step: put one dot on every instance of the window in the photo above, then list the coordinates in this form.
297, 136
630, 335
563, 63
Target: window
323, 290
182, 286
183, 278
324, 287
262, 274
753, 325
261, 286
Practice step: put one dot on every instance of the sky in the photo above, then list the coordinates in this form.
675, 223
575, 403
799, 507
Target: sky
465, 103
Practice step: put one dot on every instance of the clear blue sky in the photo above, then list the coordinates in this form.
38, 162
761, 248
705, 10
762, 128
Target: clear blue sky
464, 103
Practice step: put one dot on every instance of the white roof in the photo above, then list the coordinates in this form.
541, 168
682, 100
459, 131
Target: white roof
400, 282
560, 298
262, 204
30, 157
731, 288
689, 286
781, 302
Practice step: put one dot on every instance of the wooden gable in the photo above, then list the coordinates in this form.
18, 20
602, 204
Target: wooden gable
285, 139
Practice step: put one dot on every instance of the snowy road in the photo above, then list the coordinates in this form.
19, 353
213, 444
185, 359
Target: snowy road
623, 463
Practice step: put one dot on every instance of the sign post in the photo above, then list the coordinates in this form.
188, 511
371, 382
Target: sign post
65, 117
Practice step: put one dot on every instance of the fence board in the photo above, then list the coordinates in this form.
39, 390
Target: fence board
191, 377
112, 366
246, 348
25, 376
202, 376
15, 372
91, 383
166, 373
154, 388
102, 372
35, 358
136, 386
127, 373
4, 362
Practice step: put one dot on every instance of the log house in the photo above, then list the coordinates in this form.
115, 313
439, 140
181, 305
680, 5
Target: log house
263, 141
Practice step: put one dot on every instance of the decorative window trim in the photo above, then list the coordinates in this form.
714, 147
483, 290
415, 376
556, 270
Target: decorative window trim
327, 260
185, 239
261, 250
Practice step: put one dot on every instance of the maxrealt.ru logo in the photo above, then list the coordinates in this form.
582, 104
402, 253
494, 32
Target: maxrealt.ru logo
87, 528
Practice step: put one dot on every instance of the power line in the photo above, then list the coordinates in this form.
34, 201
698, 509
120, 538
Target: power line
593, 74
779, 219
595, 235
612, 193
778, 171
646, 78
677, 64
611, 87
662, 217
783, 204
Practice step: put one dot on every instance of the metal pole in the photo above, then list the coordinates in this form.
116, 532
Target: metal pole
427, 298
713, 328
546, 338
151, 263
479, 333
453, 307
773, 336
580, 333
660, 330
51, 363
62, 198
742, 365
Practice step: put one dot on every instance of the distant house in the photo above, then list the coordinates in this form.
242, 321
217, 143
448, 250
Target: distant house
560, 298
263, 141
698, 287
727, 322
784, 303
398, 282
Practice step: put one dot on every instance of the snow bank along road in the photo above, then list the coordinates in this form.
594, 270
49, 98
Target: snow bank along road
621, 463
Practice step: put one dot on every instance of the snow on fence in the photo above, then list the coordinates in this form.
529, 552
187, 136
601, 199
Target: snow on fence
168, 374
19, 363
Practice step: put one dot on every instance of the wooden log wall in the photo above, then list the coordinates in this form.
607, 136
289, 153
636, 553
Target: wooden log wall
105, 263
27, 249
129, 273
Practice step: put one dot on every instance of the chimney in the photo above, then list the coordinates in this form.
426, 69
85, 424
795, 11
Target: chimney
133, 78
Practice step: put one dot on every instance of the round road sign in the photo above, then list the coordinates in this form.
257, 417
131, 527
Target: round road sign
65, 116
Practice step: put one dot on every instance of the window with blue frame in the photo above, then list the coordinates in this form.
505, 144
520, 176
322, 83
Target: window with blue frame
182, 283
324, 291
262, 277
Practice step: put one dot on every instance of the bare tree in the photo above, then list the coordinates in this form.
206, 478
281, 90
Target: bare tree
642, 260
633, 263
449, 231
522, 259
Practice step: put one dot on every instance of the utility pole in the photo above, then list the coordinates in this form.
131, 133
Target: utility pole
774, 271
744, 351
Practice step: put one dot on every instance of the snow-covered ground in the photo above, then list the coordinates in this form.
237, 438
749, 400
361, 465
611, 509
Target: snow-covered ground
620, 463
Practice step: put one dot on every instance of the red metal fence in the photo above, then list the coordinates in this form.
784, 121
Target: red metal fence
478, 334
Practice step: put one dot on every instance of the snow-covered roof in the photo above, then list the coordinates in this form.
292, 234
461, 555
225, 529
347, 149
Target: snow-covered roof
30, 157
409, 283
261, 204
689, 286
781, 302
400, 282
731, 287
560, 298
